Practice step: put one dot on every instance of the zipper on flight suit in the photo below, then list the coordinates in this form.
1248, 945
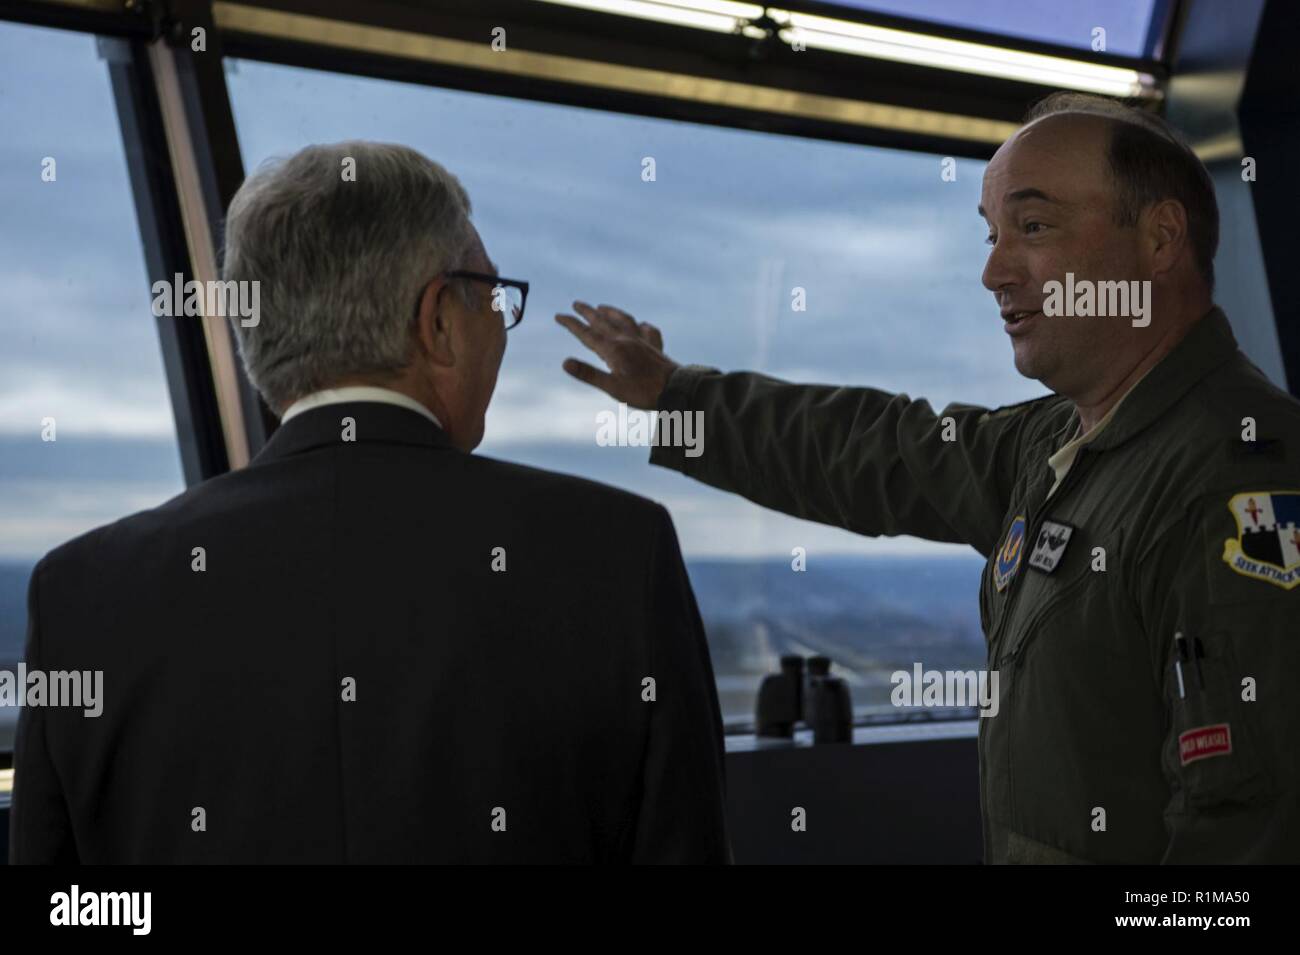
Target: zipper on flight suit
1033, 524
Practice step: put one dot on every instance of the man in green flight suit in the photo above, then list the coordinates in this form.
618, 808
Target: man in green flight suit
1141, 597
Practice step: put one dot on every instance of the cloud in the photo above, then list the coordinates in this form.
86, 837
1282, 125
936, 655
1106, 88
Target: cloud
38, 516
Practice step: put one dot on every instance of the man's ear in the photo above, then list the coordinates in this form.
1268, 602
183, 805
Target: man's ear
1165, 225
432, 323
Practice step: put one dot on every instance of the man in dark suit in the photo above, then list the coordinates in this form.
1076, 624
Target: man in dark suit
371, 645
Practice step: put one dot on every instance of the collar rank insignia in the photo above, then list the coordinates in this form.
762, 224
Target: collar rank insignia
1048, 550
1008, 558
1267, 546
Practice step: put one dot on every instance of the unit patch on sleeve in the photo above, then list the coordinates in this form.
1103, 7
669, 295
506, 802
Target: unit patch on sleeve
1267, 546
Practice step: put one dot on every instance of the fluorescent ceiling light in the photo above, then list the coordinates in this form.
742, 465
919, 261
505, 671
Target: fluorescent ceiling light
899, 46
921, 49
722, 16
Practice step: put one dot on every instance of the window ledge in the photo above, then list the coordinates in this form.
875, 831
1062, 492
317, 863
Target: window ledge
910, 732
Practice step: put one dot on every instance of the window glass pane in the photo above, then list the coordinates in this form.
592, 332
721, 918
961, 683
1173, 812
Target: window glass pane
1066, 22
887, 253
80, 352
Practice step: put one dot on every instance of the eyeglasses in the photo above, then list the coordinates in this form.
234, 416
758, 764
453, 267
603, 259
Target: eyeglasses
508, 295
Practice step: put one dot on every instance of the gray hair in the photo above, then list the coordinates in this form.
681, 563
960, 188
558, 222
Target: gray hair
341, 261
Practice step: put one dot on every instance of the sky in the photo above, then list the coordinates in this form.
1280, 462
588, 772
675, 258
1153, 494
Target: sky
77, 341
888, 252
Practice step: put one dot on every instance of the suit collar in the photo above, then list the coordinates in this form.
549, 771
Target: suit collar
373, 422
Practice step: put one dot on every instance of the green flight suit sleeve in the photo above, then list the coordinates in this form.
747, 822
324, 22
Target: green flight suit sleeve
869, 461
1230, 752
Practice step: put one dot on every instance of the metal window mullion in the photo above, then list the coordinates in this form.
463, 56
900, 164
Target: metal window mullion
185, 360
200, 237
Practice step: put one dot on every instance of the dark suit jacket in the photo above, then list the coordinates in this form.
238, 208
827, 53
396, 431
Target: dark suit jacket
499, 716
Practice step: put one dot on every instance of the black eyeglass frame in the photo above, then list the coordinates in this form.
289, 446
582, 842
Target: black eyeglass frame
496, 280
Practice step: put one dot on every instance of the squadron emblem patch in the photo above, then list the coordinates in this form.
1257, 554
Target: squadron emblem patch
1009, 556
1267, 546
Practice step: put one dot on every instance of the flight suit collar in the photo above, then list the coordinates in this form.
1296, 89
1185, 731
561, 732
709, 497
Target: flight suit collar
1208, 345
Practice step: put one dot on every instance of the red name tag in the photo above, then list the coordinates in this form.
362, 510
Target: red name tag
1203, 742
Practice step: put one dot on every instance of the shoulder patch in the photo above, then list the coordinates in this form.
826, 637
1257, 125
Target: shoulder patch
1267, 545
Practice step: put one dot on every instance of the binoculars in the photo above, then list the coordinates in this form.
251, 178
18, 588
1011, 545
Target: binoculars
820, 701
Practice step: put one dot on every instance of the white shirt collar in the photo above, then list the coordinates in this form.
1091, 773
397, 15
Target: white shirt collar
333, 396
1063, 459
